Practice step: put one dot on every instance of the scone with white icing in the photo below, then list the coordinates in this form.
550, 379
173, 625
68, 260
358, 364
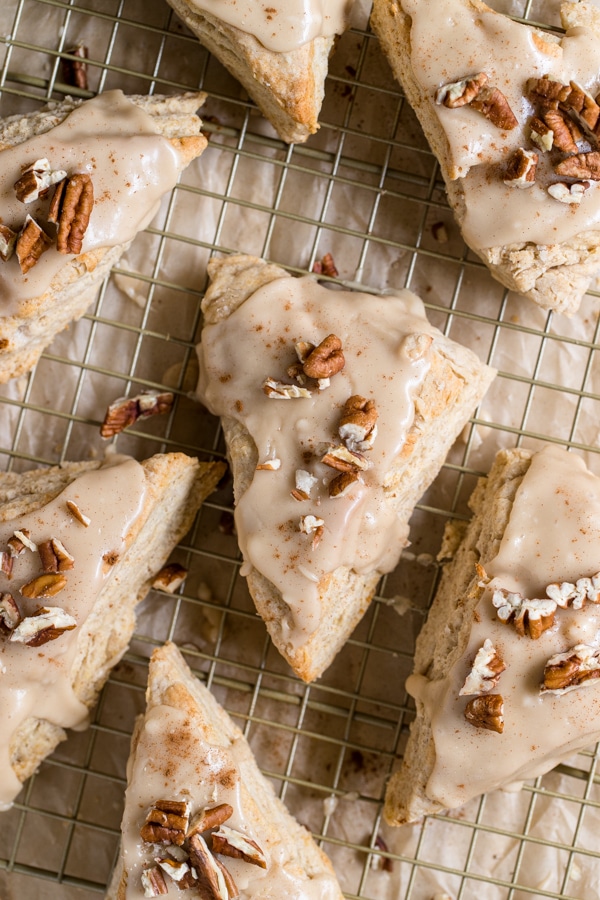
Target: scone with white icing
278, 51
338, 409
78, 181
199, 814
80, 545
510, 113
507, 666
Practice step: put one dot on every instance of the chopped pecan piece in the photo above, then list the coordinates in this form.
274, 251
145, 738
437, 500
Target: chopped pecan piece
153, 882
210, 818
6, 563
270, 465
304, 484
10, 615
71, 209
36, 180
339, 486
521, 169
78, 514
296, 372
345, 460
575, 595
583, 166
166, 823
170, 578
547, 92
541, 134
326, 360
486, 712
491, 102
277, 390
358, 423
568, 193
462, 92
232, 887
47, 585
562, 133
176, 869
582, 105
19, 542
46, 624
325, 266
124, 411
211, 882
75, 70
31, 243
313, 525
8, 240
487, 667
531, 617
54, 556
440, 232
236, 845
578, 667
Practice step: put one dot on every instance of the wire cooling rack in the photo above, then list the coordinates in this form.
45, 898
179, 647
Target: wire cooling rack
367, 189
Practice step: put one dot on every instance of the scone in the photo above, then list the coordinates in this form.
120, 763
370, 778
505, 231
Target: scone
78, 181
507, 666
509, 111
279, 55
79, 547
198, 812
338, 410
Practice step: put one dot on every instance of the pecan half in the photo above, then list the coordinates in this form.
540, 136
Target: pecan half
124, 411
211, 882
578, 667
487, 667
170, 578
583, 166
236, 845
31, 242
71, 209
10, 615
210, 818
166, 823
54, 556
521, 168
36, 180
46, 624
491, 102
153, 882
8, 240
547, 92
462, 92
358, 423
47, 585
326, 360
486, 712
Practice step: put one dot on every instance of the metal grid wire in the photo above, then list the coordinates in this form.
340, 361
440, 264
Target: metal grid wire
370, 193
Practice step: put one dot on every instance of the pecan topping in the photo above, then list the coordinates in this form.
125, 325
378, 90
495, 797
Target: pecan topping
326, 360
270, 465
358, 424
236, 845
491, 102
345, 460
31, 243
277, 390
578, 667
582, 165
296, 372
542, 135
485, 673
530, 617
521, 168
461, 93
565, 131
486, 712
75, 70
176, 869
567, 594
547, 92
232, 887
54, 556
569, 193
36, 180
8, 240
210, 818
71, 209
415, 346
6, 563
77, 513
10, 615
47, 585
339, 486
46, 624
124, 411
325, 266
582, 105
170, 578
166, 823
19, 542
304, 484
153, 882
313, 525
211, 883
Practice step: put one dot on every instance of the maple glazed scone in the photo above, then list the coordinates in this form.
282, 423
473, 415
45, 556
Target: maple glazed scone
510, 112
80, 545
507, 666
278, 51
199, 814
78, 181
338, 409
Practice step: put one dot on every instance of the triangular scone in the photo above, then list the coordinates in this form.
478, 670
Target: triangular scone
509, 141
83, 541
131, 151
186, 750
324, 492
288, 87
507, 666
